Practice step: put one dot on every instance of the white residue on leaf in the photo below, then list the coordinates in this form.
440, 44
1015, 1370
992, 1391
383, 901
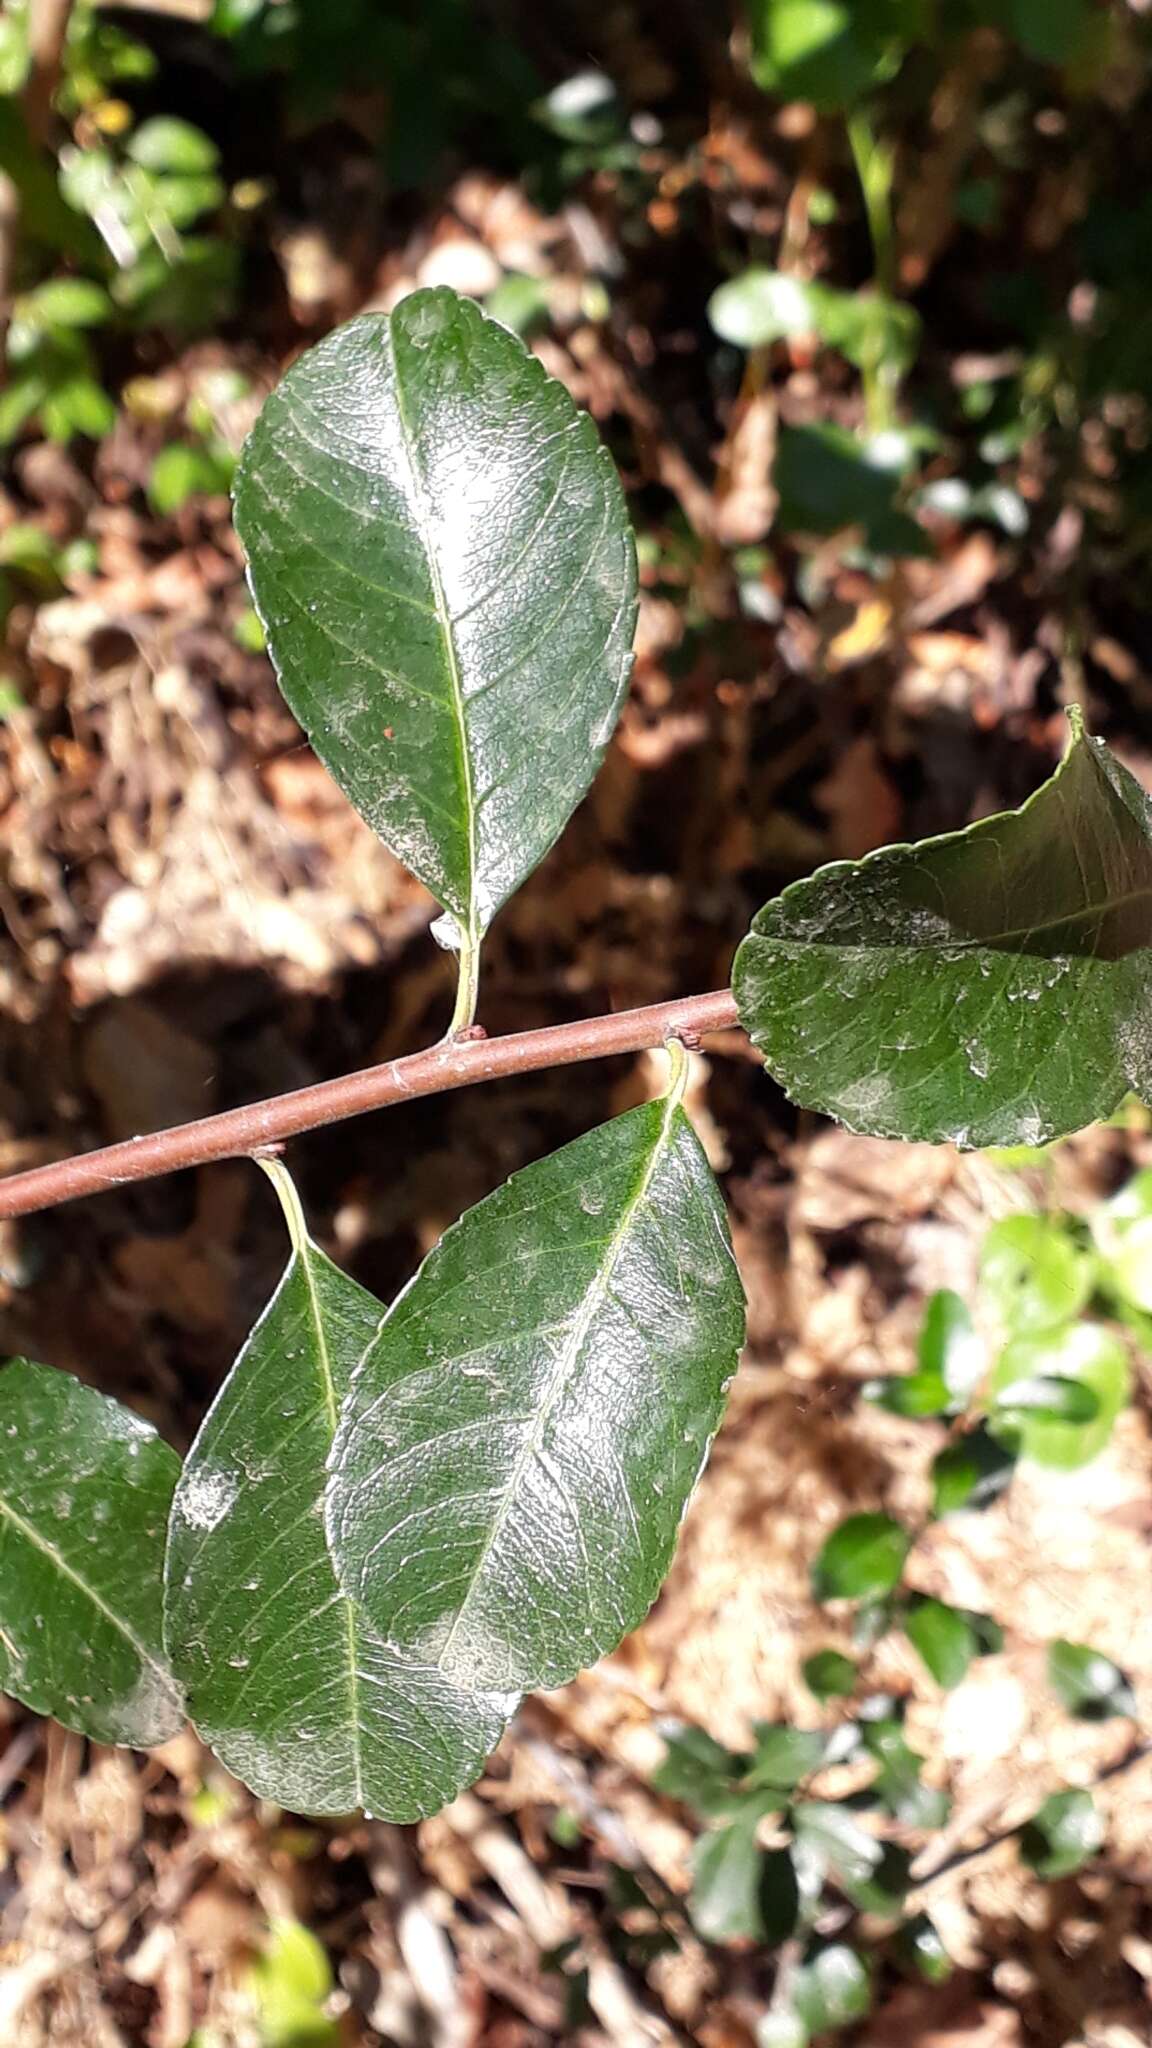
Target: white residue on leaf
205, 1498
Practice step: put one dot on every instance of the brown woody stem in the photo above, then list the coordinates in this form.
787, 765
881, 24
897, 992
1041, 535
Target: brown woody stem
453, 1063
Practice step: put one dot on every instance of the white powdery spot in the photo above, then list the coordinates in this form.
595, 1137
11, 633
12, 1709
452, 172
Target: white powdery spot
206, 1497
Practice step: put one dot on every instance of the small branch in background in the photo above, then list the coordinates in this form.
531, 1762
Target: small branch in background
47, 34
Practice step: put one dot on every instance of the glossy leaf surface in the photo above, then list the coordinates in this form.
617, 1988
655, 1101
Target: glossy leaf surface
441, 557
294, 1692
522, 1438
991, 987
85, 1488
1089, 1684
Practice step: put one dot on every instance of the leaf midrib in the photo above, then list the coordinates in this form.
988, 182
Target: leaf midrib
332, 1406
559, 1375
68, 1571
444, 620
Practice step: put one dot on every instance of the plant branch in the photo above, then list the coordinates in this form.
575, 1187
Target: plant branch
453, 1063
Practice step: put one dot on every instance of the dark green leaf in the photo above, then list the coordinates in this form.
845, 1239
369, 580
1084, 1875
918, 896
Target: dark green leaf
829, 1674
884, 1889
1033, 1274
970, 1473
521, 1440
1084, 1352
944, 1638
1063, 1835
698, 1771
833, 1833
740, 1891
286, 1681
784, 1755
990, 987
1089, 1684
827, 481
85, 1488
862, 1559
918, 1947
442, 560
833, 1986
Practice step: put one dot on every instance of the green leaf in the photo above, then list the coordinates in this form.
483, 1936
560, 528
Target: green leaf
522, 1438
919, 1949
884, 1889
1063, 1835
287, 1683
784, 1755
1084, 1352
898, 1784
944, 1638
441, 556
833, 1986
1033, 1273
971, 1473
862, 1559
761, 306
67, 302
950, 1364
1089, 1684
949, 1346
1048, 1398
829, 1674
85, 1488
830, 52
696, 1770
166, 143
178, 473
291, 1982
990, 987
833, 1834
827, 481
740, 1891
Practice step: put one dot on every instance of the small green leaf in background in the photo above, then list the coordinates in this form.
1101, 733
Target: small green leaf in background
297, 1695
1033, 1274
1122, 1229
783, 1755
832, 1834
1089, 1684
165, 143
1047, 1398
943, 1637
441, 556
1063, 1835
181, 472
85, 1490
898, 1784
918, 1947
862, 1559
949, 1366
832, 1987
827, 480
291, 1982
908, 993
1085, 1353
971, 1473
782, 2029
829, 1674
830, 52
884, 1889
698, 1771
521, 1439
761, 306
740, 1891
